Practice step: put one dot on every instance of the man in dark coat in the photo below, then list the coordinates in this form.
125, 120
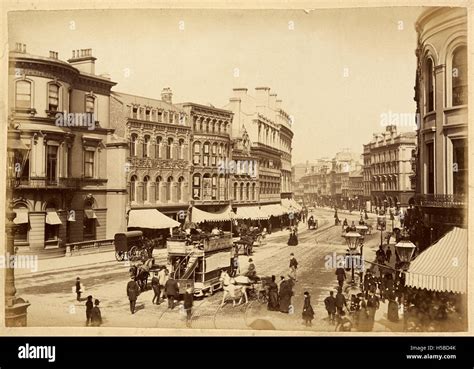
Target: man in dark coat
340, 302
330, 303
155, 284
188, 304
388, 254
96, 316
89, 306
172, 291
286, 292
341, 276
293, 266
78, 289
132, 292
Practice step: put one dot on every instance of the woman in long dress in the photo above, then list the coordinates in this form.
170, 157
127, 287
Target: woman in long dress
286, 292
272, 295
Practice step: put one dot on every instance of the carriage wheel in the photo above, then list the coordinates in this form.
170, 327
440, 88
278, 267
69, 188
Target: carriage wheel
248, 250
119, 255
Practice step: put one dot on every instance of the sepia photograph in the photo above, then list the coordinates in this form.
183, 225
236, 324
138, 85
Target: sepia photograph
237, 171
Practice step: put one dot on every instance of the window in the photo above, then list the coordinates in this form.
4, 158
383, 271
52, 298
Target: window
241, 194
459, 76
52, 163
53, 97
133, 144
460, 166
134, 112
206, 154
171, 117
168, 189
158, 148
23, 95
21, 232
146, 182
197, 153
235, 191
179, 194
147, 114
89, 222
214, 155
181, 149
160, 117
169, 149
430, 168
146, 146
253, 191
247, 191
207, 187
214, 187
133, 189
90, 100
157, 188
222, 188
196, 187
89, 164
429, 89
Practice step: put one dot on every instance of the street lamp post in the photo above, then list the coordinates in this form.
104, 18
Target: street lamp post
362, 230
381, 226
15, 307
405, 250
352, 241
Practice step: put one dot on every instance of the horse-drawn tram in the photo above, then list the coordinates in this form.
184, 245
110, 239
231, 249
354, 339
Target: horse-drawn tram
199, 262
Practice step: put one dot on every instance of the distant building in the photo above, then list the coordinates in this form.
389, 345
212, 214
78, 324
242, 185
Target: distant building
441, 96
269, 129
387, 169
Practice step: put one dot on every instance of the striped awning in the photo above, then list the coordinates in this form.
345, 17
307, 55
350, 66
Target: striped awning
150, 218
291, 204
274, 210
443, 266
199, 216
250, 212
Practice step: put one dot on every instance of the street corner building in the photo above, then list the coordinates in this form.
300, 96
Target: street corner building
61, 190
441, 158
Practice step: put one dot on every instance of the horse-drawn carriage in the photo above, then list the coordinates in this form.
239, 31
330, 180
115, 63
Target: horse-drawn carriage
243, 289
132, 246
247, 241
312, 223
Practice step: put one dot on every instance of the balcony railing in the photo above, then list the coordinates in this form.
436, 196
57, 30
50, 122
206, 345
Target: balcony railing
73, 183
442, 201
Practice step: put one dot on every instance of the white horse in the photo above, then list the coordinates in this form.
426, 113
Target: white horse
234, 288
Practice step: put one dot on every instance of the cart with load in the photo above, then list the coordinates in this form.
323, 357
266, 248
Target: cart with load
131, 246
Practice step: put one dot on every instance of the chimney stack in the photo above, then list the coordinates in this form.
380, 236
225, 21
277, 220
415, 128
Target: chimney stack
262, 95
272, 101
167, 95
53, 54
20, 48
239, 92
83, 60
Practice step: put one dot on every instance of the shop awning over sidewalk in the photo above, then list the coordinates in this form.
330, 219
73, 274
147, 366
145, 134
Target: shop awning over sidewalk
443, 266
52, 218
198, 216
291, 204
250, 212
150, 218
274, 210
21, 216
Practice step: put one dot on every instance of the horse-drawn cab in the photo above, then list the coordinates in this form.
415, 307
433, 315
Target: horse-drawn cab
131, 246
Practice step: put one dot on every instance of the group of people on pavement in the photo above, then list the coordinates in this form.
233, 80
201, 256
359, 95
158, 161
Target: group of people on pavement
93, 313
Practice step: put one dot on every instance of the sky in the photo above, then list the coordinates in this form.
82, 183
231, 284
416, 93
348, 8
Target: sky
338, 71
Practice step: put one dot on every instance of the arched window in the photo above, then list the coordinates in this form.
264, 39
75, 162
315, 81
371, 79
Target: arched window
53, 97
23, 94
197, 153
181, 149
133, 189
222, 187
146, 146
253, 191
241, 193
459, 76
197, 187
146, 182
169, 149
169, 182
205, 154
158, 147
235, 191
214, 187
214, 154
429, 87
133, 144
247, 192
157, 188
179, 194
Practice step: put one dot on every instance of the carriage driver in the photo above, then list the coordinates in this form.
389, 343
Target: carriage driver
251, 271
